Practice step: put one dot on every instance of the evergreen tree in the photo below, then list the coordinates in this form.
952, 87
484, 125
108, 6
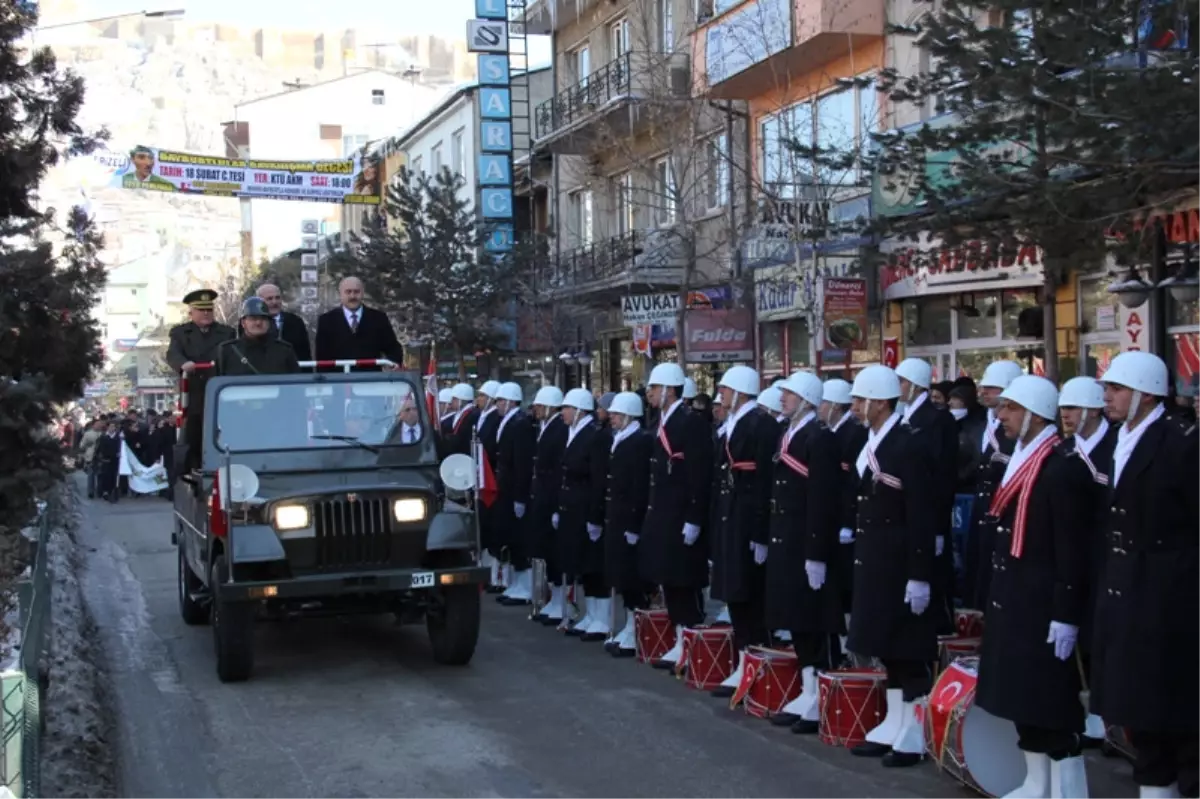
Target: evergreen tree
431, 272
49, 340
1069, 121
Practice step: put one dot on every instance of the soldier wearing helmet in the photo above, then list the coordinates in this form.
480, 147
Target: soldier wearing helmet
257, 352
549, 445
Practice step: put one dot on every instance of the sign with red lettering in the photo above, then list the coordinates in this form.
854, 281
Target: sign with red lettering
927, 266
718, 335
1134, 324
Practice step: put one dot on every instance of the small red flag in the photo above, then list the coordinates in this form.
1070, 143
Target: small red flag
488, 490
431, 390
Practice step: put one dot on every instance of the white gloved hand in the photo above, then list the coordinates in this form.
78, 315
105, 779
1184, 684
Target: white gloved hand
519, 509
631, 538
760, 553
916, 596
845, 536
594, 531
1063, 636
554, 521
690, 533
816, 574
939, 544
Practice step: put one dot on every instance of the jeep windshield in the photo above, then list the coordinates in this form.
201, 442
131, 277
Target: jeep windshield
263, 416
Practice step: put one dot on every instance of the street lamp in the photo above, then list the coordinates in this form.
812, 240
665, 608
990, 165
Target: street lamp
175, 13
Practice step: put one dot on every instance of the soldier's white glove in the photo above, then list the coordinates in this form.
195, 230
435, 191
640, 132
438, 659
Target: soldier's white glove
816, 574
916, 596
594, 531
939, 544
760, 553
1063, 636
631, 538
519, 509
554, 521
690, 533
845, 536
188, 367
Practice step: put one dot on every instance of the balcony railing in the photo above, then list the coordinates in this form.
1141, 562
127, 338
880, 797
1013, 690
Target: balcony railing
608, 259
572, 104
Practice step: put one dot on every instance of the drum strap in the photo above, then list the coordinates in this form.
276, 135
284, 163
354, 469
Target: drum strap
1021, 489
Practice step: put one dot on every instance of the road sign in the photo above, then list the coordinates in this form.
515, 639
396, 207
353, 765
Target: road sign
308, 259
310, 227
309, 307
308, 292
308, 243
487, 36
309, 276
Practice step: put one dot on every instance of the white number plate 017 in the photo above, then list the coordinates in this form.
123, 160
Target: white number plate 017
422, 580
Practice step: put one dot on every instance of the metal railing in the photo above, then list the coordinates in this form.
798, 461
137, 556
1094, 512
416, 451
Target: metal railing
22, 687
603, 260
574, 103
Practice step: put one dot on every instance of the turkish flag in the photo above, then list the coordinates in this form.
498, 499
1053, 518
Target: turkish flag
488, 490
431, 390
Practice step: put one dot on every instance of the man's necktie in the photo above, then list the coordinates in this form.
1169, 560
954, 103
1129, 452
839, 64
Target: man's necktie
412, 435
353, 323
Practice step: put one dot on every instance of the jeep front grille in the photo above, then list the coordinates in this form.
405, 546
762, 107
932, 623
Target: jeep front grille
354, 534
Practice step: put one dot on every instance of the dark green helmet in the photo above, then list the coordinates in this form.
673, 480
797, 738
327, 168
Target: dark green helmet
254, 307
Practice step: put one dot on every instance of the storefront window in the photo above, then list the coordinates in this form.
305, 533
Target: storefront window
977, 316
1184, 361
1098, 356
973, 362
798, 345
1098, 308
927, 322
771, 338
1013, 304
1182, 314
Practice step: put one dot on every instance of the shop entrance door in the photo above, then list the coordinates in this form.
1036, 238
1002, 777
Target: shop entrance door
940, 360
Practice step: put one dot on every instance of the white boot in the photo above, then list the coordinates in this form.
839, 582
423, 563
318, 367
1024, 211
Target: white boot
1037, 778
627, 638
910, 740
601, 614
1094, 727
554, 608
588, 604
522, 588
509, 581
619, 620
723, 616
887, 730
805, 706
676, 652
735, 679
1159, 791
1068, 778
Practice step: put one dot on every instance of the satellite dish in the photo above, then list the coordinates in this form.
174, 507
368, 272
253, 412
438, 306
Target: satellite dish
244, 480
458, 472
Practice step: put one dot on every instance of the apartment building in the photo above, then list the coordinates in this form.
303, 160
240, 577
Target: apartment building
644, 182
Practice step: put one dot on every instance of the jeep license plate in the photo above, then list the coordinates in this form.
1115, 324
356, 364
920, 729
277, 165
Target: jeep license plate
422, 580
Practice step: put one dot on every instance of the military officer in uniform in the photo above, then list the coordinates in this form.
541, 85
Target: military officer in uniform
196, 341
1146, 640
259, 351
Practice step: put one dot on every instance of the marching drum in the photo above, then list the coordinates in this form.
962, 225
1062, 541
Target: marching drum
955, 647
852, 703
969, 623
969, 743
654, 633
707, 656
770, 679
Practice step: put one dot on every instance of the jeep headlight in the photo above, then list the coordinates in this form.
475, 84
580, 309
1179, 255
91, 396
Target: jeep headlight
291, 517
409, 510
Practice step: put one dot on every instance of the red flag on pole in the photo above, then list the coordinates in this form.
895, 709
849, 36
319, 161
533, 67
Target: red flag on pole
431, 388
488, 490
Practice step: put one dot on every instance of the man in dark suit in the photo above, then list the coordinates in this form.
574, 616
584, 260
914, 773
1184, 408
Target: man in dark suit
288, 326
353, 331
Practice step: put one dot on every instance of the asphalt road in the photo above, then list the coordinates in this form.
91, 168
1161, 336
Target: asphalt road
357, 707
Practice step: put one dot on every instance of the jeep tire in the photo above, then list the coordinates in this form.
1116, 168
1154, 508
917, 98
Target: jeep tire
192, 610
453, 624
233, 629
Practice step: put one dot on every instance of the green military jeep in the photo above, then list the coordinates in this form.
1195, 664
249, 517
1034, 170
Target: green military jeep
320, 494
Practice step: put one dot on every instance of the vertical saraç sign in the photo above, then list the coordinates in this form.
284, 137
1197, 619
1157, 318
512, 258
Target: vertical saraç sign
487, 35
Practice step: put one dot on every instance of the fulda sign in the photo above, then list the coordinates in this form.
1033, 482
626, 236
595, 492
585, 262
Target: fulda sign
718, 335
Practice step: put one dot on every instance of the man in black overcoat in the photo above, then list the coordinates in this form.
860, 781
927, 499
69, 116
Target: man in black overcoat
196, 342
1147, 630
547, 480
486, 424
287, 326
353, 331
515, 440
579, 523
1028, 669
893, 566
460, 422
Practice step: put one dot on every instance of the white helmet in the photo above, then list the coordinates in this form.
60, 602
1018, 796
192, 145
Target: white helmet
837, 391
1081, 392
1139, 371
806, 386
876, 383
445, 395
916, 371
689, 388
741, 379
511, 392
999, 374
627, 403
549, 396
777, 382
667, 374
1034, 394
580, 398
771, 398
490, 389
463, 391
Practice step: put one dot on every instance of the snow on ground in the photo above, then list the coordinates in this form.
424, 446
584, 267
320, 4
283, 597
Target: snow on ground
79, 744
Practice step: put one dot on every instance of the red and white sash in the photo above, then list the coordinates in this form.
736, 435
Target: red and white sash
1021, 488
879, 476
735, 465
1097, 475
672, 455
787, 459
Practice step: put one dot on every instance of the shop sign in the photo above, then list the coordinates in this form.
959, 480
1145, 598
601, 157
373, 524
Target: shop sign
843, 318
785, 292
927, 267
789, 231
1180, 222
719, 335
1135, 327
649, 309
